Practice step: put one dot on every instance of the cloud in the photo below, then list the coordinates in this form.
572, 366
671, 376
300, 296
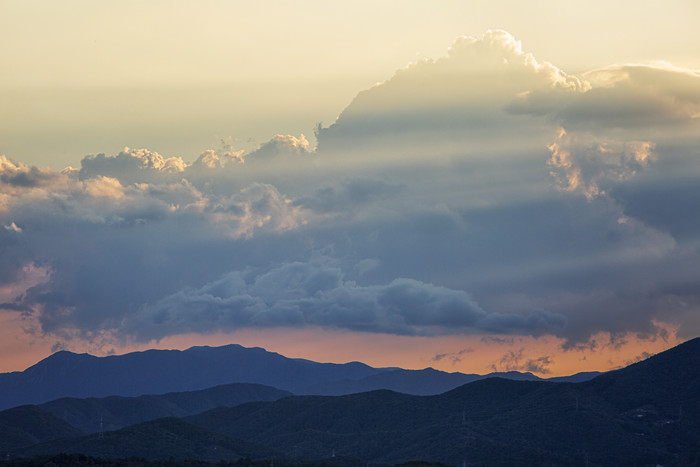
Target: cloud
349, 195
13, 227
366, 265
464, 93
215, 169
514, 360
131, 165
453, 357
258, 206
638, 95
280, 146
664, 205
482, 192
17, 179
587, 164
17, 176
316, 293
498, 51
655, 99
537, 322
106, 243
208, 160
104, 187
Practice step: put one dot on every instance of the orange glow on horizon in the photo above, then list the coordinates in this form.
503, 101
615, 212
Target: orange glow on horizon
543, 356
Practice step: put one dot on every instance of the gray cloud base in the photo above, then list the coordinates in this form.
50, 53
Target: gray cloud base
316, 294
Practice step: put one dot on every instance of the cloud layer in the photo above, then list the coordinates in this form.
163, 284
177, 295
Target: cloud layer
316, 294
482, 192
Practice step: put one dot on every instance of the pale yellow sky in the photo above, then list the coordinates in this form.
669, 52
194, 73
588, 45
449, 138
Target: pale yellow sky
78, 42
82, 77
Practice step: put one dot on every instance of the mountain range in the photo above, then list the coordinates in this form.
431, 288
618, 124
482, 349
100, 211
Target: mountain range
93, 414
67, 374
645, 414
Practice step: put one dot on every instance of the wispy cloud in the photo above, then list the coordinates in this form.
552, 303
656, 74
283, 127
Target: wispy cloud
514, 360
453, 357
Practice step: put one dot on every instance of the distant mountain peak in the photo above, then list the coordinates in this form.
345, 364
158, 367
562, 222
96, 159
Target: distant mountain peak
62, 356
67, 374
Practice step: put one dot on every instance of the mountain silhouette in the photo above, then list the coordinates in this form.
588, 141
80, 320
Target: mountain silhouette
645, 414
67, 374
27, 425
626, 417
158, 439
110, 413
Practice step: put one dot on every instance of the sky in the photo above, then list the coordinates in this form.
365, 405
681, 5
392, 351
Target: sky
472, 186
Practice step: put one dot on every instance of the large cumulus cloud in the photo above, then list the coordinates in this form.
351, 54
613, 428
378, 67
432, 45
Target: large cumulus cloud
454, 100
482, 192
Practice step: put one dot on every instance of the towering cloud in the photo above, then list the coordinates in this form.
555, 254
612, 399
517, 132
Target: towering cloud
482, 192
465, 93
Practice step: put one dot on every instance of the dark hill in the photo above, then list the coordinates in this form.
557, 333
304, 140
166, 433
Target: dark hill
575, 378
157, 439
669, 380
645, 414
388, 427
27, 425
492, 421
111, 413
424, 382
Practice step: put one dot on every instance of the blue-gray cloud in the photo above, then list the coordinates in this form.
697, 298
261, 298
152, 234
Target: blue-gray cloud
349, 195
316, 293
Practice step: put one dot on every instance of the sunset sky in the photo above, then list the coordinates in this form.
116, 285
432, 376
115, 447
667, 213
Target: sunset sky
468, 185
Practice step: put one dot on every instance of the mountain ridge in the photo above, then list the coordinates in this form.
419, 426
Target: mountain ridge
625, 417
91, 415
158, 439
67, 374
154, 371
609, 420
